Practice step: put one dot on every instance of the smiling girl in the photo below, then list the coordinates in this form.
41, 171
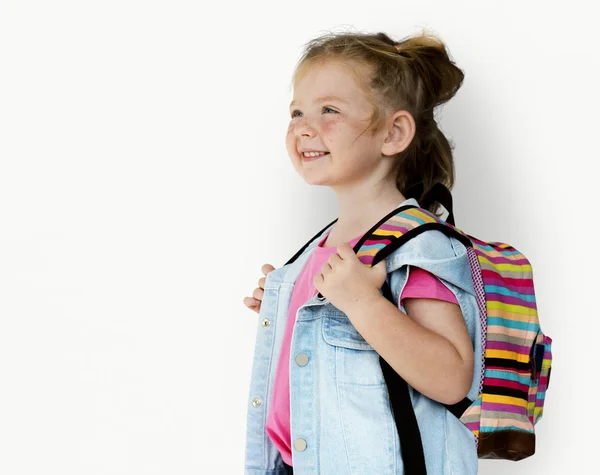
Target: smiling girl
362, 123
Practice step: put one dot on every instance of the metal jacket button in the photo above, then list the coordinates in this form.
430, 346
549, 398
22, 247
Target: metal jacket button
302, 359
256, 402
300, 445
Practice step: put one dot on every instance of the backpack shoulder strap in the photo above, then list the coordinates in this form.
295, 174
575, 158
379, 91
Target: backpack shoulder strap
302, 249
397, 228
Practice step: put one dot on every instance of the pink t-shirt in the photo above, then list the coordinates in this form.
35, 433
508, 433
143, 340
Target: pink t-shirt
420, 284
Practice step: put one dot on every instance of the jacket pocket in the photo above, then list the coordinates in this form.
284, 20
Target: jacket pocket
356, 362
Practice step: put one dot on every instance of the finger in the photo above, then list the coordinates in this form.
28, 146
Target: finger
261, 282
326, 269
266, 268
333, 260
380, 268
380, 264
258, 294
345, 251
251, 302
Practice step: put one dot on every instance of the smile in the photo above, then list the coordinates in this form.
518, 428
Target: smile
311, 156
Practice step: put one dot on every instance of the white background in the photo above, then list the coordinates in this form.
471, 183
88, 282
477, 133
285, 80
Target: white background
144, 181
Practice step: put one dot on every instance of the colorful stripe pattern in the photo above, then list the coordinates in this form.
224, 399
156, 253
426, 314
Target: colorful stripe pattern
517, 355
391, 230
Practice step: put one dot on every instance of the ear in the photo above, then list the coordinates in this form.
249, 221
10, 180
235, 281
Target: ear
400, 130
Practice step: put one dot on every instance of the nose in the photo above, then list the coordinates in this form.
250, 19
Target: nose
303, 128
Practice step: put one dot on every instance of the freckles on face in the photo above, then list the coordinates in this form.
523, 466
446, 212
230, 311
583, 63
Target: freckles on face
339, 129
290, 138
330, 124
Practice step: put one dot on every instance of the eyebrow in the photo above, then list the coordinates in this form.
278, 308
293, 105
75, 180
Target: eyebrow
323, 99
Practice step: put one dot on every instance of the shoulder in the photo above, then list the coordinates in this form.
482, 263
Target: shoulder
439, 254
429, 245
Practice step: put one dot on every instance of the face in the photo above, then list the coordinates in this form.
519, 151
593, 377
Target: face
330, 113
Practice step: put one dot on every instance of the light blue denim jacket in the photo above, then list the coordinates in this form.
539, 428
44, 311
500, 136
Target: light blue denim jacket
341, 419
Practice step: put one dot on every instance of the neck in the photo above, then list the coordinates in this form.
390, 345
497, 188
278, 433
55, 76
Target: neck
360, 208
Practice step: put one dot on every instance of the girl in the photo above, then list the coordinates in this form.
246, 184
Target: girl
361, 122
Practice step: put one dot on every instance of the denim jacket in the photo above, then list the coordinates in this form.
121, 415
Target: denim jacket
341, 419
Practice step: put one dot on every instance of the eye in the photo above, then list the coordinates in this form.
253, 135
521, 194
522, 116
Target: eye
324, 109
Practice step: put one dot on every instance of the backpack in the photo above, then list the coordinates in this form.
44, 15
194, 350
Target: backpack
516, 354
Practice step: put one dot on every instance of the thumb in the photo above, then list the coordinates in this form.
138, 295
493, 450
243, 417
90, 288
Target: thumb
380, 265
380, 271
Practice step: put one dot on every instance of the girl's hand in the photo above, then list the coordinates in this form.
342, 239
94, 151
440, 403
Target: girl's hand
253, 303
345, 280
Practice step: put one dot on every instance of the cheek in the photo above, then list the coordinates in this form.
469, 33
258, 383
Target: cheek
289, 136
330, 125
290, 143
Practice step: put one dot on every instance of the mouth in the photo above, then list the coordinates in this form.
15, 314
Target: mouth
312, 156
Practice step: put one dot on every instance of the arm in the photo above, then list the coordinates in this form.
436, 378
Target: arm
429, 347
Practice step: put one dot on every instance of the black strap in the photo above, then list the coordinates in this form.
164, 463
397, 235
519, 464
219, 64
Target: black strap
411, 445
459, 408
295, 256
442, 195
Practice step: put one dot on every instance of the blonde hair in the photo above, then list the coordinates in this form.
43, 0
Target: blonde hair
415, 74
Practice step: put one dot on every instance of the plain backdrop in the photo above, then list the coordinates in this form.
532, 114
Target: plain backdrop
144, 181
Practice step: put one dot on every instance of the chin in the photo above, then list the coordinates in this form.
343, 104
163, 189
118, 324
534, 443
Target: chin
316, 183
318, 180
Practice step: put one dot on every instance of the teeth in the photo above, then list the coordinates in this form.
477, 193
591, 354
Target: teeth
314, 154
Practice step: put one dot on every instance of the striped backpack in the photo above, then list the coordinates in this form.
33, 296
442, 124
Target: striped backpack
516, 355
